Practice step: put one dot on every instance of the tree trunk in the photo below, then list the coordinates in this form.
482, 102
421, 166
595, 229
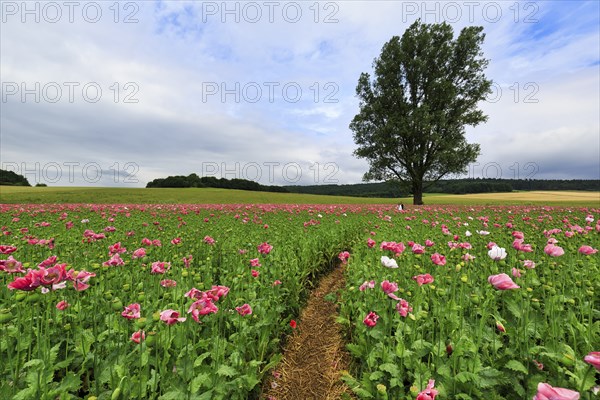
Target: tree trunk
417, 189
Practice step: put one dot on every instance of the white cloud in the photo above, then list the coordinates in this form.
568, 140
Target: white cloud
195, 79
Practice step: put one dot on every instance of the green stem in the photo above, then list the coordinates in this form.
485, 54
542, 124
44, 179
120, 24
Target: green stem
581, 390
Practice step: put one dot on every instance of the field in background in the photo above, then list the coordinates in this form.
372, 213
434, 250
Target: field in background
17, 194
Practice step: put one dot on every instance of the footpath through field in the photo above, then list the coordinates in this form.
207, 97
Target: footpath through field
314, 355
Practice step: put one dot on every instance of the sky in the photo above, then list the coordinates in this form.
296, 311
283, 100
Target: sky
108, 93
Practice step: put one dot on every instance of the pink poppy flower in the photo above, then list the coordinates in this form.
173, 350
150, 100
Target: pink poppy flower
255, 262
467, 257
587, 250
80, 279
518, 235
202, 307
502, 282
255, 273
516, 273
423, 279
175, 241
131, 311
371, 243
139, 253
171, 317
593, 358
418, 249
429, 392
187, 260
48, 262
547, 392
4, 249
53, 275
491, 245
553, 250
371, 319
194, 293
344, 256
438, 259
244, 310
138, 336
146, 242
520, 246
62, 305
277, 282
217, 291
397, 248
528, 264
160, 267
26, 283
116, 248
389, 287
264, 248
293, 324
11, 266
115, 261
366, 285
429, 243
168, 283
403, 307
209, 240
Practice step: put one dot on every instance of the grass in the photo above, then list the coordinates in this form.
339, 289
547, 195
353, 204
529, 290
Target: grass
12, 194
19, 194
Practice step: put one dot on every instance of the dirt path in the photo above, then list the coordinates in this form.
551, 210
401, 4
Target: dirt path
315, 354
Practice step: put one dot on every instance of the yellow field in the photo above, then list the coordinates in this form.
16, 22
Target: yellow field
592, 198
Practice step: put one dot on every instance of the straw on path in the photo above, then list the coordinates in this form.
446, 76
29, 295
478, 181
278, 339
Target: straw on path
314, 355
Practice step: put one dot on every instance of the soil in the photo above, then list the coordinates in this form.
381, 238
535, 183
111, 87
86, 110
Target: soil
315, 354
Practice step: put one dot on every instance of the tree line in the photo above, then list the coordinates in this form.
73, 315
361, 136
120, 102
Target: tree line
391, 189
194, 181
450, 186
10, 178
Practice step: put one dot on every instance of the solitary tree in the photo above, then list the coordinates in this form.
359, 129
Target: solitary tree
411, 124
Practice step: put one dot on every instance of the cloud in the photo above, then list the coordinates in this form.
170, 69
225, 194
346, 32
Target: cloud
159, 88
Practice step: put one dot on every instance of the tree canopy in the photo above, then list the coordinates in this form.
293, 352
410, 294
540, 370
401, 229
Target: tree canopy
12, 178
413, 113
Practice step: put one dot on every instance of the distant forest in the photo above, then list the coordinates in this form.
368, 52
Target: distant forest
455, 186
194, 181
382, 189
11, 178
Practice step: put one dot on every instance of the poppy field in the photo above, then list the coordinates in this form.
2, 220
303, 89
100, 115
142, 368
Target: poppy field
195, 301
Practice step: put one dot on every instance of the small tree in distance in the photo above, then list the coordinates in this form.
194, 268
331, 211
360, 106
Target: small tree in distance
426, 86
